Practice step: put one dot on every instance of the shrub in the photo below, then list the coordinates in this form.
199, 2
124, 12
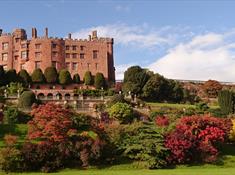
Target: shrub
37, 76
117, 98
27, 98
100, 81
14, 87
88, 79
212, 88
122, 112
13, 115
76, 78
64, 77
11, 76
197, 139
10, 157
162, 121
24, 77
2, 76
50, 122
226, 101
232, 132
51, 75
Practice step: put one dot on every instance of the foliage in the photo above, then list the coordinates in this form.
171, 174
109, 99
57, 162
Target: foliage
176, 93
134, 79
27, 98
162, 121
38, 76
90, 92
226, 101
232, 132
202, 106
2, 76
196, 139
11, 76
14, 87
10, 157
212, 88
117, 98
12, 115
24, 77
122, 112
64, 77
88, 79
156, 88
99, 81
50, 122
51, 75
76, 78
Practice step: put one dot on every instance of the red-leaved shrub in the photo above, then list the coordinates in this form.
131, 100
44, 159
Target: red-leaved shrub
196, 139
162, 121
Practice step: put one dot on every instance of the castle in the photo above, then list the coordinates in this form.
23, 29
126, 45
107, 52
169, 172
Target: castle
94, 54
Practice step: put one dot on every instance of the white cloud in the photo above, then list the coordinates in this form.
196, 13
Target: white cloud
138, 36
121, 8
120, 69
208, 56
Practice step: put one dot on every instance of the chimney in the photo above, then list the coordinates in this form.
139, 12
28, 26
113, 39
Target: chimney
0, 32
46, 32
69, 35
94, 34
89, 37
34, 33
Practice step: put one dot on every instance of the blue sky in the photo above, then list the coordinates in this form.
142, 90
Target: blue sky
179, 39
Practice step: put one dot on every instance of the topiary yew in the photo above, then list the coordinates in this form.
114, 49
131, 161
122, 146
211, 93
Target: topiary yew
51, 74
88, 79
37, 76
99, 81
27, 98
64, 77
76, 78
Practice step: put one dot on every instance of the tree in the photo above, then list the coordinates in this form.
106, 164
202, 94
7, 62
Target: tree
226, 101
122, 112
176, 93
51, 74
50, 123
11, 76
156, 88
64, 77
135, 78
24, 77
76, 78
27, 98
2, 76
37, 76
99, 81
88, 79
212, 88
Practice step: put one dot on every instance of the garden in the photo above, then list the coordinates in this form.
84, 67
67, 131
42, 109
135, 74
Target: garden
177, 134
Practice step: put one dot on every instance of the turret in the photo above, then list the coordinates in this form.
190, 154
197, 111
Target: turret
46, 32
0, 32
34, 33
94, 34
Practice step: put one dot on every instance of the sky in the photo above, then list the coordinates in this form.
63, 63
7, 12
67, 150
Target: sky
180, 39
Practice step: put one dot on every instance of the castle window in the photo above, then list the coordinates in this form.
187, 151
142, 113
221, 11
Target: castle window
24, 54
88, 66
4, 56
37, 64
68, 66
67, 47
38, 46
75, 66
17, 40
67, 55
54, 54
74, 47
82, 47
53, 64
37, 54
5, 46
54, 46
75, 55
23, 46
4, 67
22, 66
82, 55
95, 54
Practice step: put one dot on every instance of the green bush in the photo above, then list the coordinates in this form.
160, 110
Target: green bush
12, 116
2, 76
14, 87
27, 98
51, 75
226, 101
64, 77
11, 76
122, 112
37, 76
76, 78
117, 98
24, 77
100, 81
88, 79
